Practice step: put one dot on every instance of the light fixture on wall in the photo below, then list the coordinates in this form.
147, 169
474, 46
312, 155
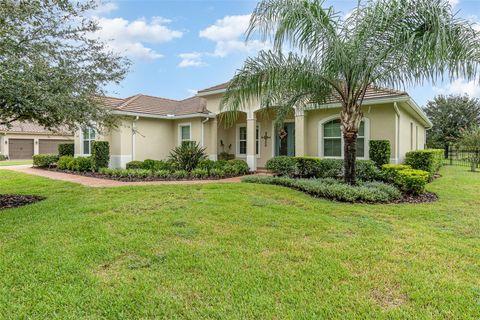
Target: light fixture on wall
36, 141
6, 141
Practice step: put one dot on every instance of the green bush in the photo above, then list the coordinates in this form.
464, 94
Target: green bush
64, 162
162, 174
429, 160
3, 157
282, 166
187, 156
412, 181
237, 167
200, 173
379, 152
217, 173
81, 164
180, 174
66, 149
156, 165
331, 168
220, 164
334, 189
390, 171
100, 154
308, 167
367, 170
135, 164
45, 160
206, 165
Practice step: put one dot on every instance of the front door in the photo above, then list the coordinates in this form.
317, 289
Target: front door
285, 140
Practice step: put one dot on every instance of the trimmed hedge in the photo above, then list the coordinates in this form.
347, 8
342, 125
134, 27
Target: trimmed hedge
379, 152
157, 165
135, 164
64, 162
100, 154
45, 160
429, 160
333, 189
282, 166
81, 164
412, 181
66, 149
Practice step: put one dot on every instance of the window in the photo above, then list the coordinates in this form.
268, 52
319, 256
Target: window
242, 140
185, 133
88, 137
333, 139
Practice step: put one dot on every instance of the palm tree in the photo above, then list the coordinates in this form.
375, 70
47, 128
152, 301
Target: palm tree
382, 43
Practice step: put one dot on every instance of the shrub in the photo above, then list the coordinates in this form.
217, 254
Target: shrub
331, 168
220, 164
180, 174
379, 152
206, 165
187, 156
162, 174
390, 171
429, 160
135, 164
237, 167
64, 162
199, 173
156, 165
282, 166
334, 189
100, 154
3, 157
81, 164
45, 160
367, 170
412, 181
217, 173
308, 167
66, 149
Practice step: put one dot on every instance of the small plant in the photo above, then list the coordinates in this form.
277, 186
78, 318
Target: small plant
66, 149
64, 162
379, 152
100, 154
180, 174
45, 160
156, 165
206, 165
200, 173
187, 156
217, 173
135, 164
3, 157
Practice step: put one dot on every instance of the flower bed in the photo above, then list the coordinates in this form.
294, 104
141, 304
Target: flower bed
8, 201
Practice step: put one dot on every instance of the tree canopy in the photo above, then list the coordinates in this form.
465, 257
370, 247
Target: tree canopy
52, 68
450, 115
382, 43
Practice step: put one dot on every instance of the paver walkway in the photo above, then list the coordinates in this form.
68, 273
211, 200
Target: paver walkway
96, 182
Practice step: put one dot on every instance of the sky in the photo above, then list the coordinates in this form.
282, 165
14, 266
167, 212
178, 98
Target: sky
180, 46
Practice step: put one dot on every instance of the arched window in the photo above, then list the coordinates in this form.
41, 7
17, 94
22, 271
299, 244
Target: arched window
332, 140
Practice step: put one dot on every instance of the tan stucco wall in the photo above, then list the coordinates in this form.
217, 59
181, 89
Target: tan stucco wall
408, 128
5, 136
154, 139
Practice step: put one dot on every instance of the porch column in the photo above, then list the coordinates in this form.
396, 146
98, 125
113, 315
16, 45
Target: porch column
36, 147
213, 140
299, 132
251, 133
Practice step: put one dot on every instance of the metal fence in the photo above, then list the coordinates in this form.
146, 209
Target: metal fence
462, 157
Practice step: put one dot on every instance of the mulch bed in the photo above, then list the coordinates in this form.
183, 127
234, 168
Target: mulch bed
16, 200
421, 198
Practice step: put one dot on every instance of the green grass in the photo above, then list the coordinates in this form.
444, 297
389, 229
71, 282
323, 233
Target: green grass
237, 251
14, 162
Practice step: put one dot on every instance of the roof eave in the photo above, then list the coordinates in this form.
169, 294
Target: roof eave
164, 117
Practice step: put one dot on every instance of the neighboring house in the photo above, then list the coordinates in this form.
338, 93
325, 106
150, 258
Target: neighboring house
22, 140
150, 127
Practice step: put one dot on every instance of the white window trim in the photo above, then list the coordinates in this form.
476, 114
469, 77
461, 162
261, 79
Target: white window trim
237, 140
82, 140
366, 138
180, 126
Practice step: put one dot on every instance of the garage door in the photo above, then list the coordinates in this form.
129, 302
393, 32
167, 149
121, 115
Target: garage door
20, 148
50, 146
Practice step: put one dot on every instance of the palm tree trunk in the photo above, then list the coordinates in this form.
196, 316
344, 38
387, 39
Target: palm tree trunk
350, 155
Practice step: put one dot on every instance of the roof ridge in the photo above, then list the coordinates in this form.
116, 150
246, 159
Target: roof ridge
128, 101
157, 97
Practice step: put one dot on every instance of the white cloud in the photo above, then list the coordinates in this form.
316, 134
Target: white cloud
460, 86
104, 8
192, 91
130, 37
228, 33
453, 3
192, 59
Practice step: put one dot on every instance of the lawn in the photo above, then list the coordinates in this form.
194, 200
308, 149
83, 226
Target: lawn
237, 251
14, 162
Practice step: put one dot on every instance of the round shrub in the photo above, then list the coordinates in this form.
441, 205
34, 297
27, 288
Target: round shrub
64, 162
412, 181
217, 173
206, 165
220, 164
200, 173
135, 164
236, 167
45, 160
81, 164
282, 166
308, 167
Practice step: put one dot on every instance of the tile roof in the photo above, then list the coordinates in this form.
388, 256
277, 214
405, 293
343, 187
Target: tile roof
151, 105
31, 128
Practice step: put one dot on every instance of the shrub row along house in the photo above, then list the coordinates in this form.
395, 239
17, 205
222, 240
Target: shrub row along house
22, 140
149, 127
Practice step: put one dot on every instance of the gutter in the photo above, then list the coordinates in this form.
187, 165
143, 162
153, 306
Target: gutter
203, 131
134, 134
165, 117
397, 132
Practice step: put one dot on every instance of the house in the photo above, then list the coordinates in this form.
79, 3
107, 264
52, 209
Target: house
22, 140
151, 126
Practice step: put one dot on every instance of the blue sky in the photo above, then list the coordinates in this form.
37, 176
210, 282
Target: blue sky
180, 46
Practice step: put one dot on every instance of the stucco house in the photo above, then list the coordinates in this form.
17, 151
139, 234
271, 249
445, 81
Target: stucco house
22, 140
151, 126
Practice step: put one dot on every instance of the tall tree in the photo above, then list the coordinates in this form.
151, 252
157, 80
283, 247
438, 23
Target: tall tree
52, 68
450, 115
383, 43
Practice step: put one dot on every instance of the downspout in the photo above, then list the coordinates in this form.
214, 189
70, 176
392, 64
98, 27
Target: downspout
134, 133
397, 132
203, 131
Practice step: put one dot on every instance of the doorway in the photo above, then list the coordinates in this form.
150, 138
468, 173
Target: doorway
285, 140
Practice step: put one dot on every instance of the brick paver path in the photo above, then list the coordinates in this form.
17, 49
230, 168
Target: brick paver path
96, 182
